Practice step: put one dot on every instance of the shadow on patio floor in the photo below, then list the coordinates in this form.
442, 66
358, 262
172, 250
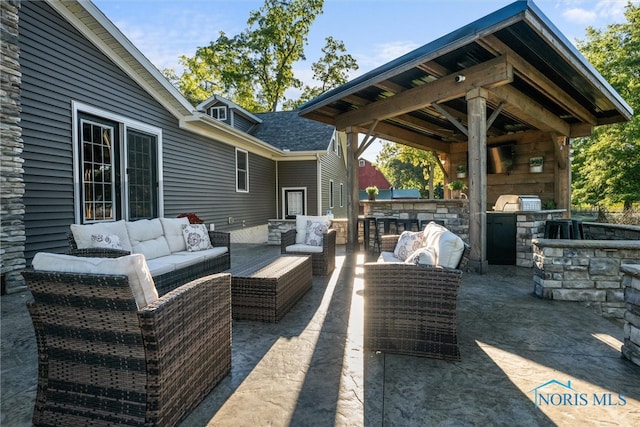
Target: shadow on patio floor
310, 368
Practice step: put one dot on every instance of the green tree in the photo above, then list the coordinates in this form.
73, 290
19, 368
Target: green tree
606, 166
331, 70
255, 67
407, 167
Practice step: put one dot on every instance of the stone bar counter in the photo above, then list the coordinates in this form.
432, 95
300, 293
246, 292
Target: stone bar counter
631, 283
584, 270
454, 213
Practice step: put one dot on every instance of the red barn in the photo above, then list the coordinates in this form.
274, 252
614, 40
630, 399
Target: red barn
369, 176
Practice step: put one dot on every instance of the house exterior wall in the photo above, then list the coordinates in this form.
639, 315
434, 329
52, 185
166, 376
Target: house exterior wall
333, 168
60, 66
241, 122
299, 174
12, 234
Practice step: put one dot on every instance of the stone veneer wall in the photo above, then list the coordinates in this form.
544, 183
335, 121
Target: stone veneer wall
631, 283
12, 234
584, 270
529, 226
453, 212
603, 231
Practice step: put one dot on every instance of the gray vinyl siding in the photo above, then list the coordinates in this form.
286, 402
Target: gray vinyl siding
241, 122
299, 174
60, 66
333, 168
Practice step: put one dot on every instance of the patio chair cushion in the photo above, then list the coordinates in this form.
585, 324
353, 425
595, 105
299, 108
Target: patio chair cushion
301, 226
82, 233
422, 256
408, 243
447, 246
147, 237
196, 237
173, 232
133, 266
315, 231
386, 256
304, 249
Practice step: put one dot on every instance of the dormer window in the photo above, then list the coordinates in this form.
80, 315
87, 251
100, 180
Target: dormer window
219, 113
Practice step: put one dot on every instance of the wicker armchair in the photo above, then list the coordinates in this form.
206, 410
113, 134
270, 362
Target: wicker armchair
411, 309
104, 362
323, 263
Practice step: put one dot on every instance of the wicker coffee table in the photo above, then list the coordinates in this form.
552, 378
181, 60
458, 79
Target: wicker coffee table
266, 291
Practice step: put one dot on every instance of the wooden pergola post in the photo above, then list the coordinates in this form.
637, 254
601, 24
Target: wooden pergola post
353, 202
477, 143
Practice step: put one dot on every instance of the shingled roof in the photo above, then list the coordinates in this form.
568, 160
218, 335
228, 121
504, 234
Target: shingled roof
287, 130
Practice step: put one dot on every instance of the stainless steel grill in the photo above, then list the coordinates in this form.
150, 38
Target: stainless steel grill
514, 202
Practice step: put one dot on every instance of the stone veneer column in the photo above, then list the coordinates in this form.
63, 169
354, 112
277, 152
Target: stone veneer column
631, 283
12, 234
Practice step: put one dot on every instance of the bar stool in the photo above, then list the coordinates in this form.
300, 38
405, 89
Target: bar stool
408, 224
557, 229
368, 222
577, 229
386, 223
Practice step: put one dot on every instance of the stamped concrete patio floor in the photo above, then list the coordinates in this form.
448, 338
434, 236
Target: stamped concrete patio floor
310, 369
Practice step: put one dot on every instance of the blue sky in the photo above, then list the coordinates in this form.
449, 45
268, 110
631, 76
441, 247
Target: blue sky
374, 31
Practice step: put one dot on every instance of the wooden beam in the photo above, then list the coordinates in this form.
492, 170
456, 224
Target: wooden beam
492, 73
434, 128
451, 119
581, 129
538, 80
495, 115
408, 137
531, 111
366, 142
353, 201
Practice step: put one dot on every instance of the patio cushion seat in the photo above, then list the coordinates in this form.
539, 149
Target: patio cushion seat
302, 248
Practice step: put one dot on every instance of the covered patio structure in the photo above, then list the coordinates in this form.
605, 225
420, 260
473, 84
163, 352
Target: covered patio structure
508, 78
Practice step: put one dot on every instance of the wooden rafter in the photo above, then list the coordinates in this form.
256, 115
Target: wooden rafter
492, 73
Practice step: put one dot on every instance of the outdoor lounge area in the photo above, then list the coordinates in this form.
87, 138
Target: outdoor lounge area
523, 360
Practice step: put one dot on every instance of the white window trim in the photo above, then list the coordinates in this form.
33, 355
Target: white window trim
341, 195
76, 109
284, 192
332, 190
238, 190
219, 109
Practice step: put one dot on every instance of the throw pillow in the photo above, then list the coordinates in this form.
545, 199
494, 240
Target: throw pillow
315, 233
422, 256
408, 243
301, 226
196, 237
109, 241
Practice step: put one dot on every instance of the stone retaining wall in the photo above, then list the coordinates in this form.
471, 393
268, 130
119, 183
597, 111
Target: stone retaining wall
603, 231
529, 226
631, 283
584, 270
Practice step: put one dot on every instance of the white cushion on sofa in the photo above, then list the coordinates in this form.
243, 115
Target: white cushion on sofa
448, 247
147, 237
423, 256
303, 249
301, 226
133, 266
388, 257
173, 233
82, 233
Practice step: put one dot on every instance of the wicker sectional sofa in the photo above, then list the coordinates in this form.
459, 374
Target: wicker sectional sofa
410, 307
161, 240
